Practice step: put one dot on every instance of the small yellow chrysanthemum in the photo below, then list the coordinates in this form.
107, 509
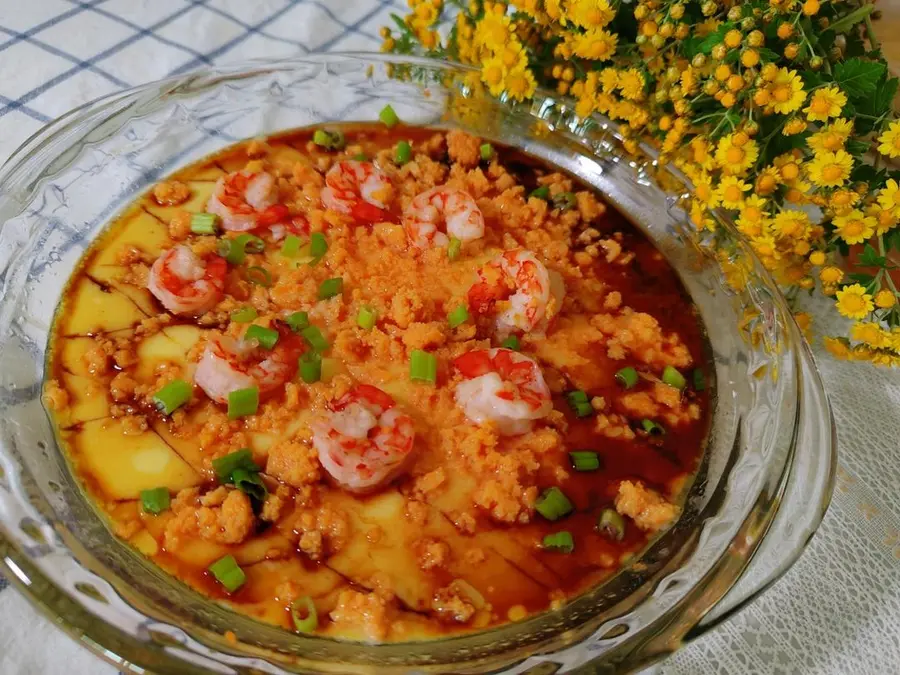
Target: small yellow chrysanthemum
826, 102
520, 84
791, 224
885, 299
730, 192
794, 127
704, 192
765, 247
631, 84
853, 302
871, 334
855, 227
889, 141
837, 347
832, 137
831, 275
843, 200
554, 10
595, 44
886, 221
609, 79
889, 197
768, 180
830, 169
817, 258
735, 159
753, 220
786, 91
701, 153
492, 30
590, 13
493, 74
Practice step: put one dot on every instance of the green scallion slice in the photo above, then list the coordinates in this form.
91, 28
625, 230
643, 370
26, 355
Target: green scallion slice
204, 223
318, 246
389, 117
314, 338
611, 524
303, 613
330, 140
673, 378
553, 504
487, 152
172, 396
699, 379
559, 541
235, 250
512, 342
564, 200
361, 157
402, 153
627, 377
652, 428
454, 249
259, 276
250, 484
243, 402
458, 316
422, 366
238, 460
366, 317
330, 288
297, 321
155, 501
290, 248
266, 337
543, 192
310, 367
585, 460
580, 403
244, 315
228, 573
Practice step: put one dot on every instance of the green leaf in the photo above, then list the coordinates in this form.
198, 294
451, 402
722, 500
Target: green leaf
866, 280
892, 240
855, 147
851, 19
866, 173
713, 39
858, 78
870, 258
766, 55
811, 79
883, 99
691, 47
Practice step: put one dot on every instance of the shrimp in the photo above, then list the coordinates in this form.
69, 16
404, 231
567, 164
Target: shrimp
365, 441
228, 364
245, 201
533, 294
359, 189
504, 387
454, 208
185, 283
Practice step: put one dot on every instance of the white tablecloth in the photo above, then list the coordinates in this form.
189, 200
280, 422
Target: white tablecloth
836, 612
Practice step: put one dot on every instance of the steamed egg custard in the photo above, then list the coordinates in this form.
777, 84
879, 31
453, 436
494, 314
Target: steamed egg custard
379, 382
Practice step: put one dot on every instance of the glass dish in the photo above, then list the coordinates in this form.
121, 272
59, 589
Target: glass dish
762, 489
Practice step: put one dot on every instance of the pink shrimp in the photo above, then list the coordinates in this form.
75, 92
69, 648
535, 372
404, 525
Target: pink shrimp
185, 283
228, 364
532, 294
359, 189
365, 441
245, 201
453, 208
504, 387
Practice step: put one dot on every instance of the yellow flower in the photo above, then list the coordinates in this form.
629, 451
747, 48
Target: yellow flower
826, 102
830, 169
885, 299
554, 10
791, 224
886, 221
837, 347
889, 197
492, 31
768, 180
493, 74
889, 141
842, 200
730, 192
631, 83
786, 91
794, 127
871, 334
817, 258
520, 83
853, 302
512, 54
832, 137
590, 13
765, 247
704, 192
733, 158
688, 80
831, 275
596, 44
700, 217
609, 79
753, 219
855, 227
701, 153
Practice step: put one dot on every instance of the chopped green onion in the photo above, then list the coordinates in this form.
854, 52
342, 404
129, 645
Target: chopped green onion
171, 397
259, 276
402, 153
564, 200
512, 342
155, 501
699, 379
553, 504
366, 317
238, 460
330, 140
627, 377
318, 246
243, 402
458, 316
266, 337
330, 288
204, 223
311, 367
244, 315
297, 321
453, 250
250, 484
314, 338
543, 192
303, 612
580, 403
422, 366
236, 250
487, 152
673, 378
361, 157
585, 460
559, 541
611, 524
388, 116
652, 428
228, 573
291, 246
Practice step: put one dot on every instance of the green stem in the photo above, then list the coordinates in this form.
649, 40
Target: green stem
870, 32
853, 18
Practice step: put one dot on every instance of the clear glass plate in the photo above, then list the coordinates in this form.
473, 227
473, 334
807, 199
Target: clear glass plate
761, 492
